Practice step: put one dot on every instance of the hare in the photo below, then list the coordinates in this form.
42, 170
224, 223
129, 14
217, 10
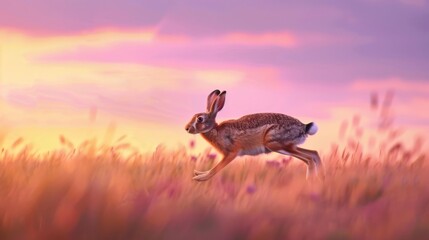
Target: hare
252, 134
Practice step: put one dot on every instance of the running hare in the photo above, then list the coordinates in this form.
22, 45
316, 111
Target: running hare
252, 135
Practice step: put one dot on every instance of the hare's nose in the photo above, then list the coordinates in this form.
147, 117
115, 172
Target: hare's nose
187, 128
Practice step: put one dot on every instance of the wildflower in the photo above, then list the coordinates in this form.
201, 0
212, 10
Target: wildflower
313, 196
212, 156
251, 189
192, 144
286, 161
273, 163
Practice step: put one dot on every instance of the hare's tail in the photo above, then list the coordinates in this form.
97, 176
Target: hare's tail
311, 128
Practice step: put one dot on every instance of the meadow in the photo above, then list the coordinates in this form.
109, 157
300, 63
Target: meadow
97, 191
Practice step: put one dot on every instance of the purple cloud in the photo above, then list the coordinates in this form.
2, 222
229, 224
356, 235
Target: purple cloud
66, 17
389, 38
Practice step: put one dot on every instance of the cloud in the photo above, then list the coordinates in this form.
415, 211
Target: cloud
398, 84
145, 94
129, 104
219, 17
414, 3
189, 17
337, 41
280, 39
219, 77
153, 47
65, 17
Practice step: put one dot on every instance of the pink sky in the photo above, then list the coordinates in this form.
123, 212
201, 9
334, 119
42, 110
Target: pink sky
148, 66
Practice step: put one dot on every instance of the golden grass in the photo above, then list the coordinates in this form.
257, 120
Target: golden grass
98, 192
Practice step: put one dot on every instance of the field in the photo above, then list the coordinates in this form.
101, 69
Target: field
96, 191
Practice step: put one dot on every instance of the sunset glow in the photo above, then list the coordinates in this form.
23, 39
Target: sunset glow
147, 77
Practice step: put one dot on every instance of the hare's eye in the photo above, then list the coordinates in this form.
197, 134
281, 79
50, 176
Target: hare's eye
200, 119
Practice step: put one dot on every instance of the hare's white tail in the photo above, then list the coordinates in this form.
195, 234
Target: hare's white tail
311, 128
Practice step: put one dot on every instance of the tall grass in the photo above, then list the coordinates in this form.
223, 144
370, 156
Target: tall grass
93, 191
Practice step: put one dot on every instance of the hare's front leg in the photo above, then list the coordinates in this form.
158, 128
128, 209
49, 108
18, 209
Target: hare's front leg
203, 176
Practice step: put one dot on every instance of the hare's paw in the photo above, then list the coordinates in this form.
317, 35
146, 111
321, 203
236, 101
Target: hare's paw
202, 177
196, 172
315, 174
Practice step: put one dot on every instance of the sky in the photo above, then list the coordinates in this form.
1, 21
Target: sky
143, 68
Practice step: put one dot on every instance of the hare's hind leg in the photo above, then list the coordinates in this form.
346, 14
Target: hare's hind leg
316, 158
312, 167
290, 149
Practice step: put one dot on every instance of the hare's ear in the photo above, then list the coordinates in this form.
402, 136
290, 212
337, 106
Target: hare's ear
210, 99
218, 103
